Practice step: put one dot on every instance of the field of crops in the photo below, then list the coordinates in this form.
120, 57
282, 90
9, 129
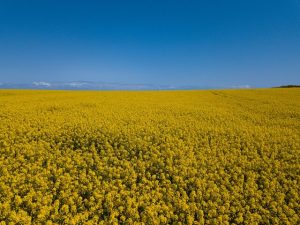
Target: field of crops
156, 157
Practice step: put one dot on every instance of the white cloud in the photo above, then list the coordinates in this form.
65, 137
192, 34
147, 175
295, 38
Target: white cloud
42, 83
241, 86
76, 84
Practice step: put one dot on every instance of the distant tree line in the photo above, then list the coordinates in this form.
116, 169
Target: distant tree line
288, 86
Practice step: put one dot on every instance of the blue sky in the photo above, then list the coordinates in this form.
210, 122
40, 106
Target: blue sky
204, 43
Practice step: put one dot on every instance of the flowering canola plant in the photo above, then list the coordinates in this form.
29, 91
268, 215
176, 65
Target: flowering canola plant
150, 157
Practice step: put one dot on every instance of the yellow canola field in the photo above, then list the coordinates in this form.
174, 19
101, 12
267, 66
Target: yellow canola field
152, 157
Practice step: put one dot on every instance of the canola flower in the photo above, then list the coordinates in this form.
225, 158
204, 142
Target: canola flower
152, 157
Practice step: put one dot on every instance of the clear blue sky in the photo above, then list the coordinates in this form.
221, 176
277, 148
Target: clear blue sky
208, 43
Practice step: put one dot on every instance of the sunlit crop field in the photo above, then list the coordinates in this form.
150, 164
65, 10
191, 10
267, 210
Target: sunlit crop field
153, 157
